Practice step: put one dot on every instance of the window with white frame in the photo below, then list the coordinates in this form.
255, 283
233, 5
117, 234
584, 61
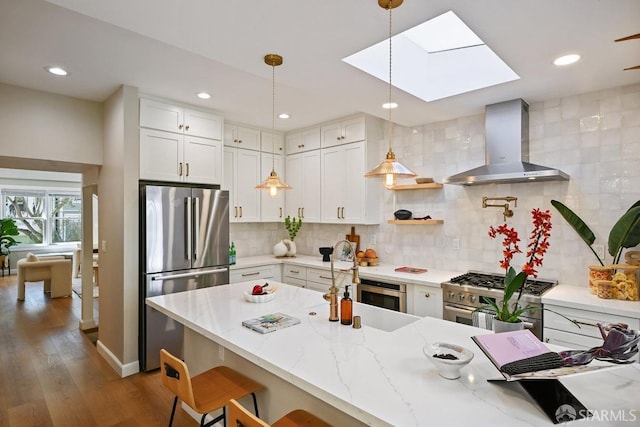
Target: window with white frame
44, 217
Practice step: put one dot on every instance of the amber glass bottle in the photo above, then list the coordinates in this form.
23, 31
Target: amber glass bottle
346, 308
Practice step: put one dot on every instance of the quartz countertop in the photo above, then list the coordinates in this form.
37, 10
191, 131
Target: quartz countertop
382, 272
579, 297
382, 378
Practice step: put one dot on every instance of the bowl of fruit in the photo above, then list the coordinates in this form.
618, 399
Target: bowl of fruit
259, 293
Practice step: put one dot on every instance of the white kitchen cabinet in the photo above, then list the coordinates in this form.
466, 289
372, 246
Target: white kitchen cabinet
251, 273
583, 335
272, 209
303, 174
343, 132
241, 175
271, 142
426, 301
306, 140
167, 156
294, 275
241, 137
179, 119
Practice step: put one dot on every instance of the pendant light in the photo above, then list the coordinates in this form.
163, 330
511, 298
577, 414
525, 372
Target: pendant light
390, 169
273, 183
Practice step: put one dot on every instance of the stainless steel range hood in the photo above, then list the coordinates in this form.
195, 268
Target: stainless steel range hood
507, 149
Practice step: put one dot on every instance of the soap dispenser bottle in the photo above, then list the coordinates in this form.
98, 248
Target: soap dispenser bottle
346, 308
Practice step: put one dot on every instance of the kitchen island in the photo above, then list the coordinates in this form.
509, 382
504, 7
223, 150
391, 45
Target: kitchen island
374, 375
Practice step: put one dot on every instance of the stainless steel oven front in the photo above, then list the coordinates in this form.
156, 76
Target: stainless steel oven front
386, 295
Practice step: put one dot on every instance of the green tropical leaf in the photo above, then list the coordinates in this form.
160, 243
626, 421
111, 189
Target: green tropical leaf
578, 225
625, 233
513, 283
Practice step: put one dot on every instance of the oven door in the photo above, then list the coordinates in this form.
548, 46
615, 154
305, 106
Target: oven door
461, 314
392, 299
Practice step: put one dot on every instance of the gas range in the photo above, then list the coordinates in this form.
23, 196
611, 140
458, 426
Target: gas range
463, 294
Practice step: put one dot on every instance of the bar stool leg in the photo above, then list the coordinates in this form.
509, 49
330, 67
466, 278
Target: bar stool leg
173, 411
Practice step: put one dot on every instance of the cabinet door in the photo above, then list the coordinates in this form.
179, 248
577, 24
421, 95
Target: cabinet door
203, 160
161, 116
427, 301
353, 130
293, 143
161, 155
200, 123
242, 137
333, 189
246, 178
353, 204
271, 142
228, 180
293, 201
311, 186
311, 139
272, 208
569, 340
331, 135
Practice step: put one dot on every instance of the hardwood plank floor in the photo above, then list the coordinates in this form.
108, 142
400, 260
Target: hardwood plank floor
52, 375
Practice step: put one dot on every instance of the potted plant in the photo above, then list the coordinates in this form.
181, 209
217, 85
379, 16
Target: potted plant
624, 234
8, 228
508, 311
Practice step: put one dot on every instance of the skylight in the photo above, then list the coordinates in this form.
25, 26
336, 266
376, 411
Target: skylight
436, 59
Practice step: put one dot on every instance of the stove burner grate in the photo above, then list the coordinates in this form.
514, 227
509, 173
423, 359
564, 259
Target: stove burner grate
496, 281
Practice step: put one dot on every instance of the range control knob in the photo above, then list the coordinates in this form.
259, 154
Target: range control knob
461, 297
450, 294
472, 298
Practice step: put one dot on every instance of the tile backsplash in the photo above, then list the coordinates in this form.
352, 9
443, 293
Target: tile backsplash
593, 137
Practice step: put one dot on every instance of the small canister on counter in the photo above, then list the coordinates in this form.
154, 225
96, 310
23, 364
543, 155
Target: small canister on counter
626, 282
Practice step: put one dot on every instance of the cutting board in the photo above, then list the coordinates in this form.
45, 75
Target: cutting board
632, 257
353, 237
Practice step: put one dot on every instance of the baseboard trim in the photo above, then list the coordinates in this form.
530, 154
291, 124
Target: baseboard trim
124, 370
88, 324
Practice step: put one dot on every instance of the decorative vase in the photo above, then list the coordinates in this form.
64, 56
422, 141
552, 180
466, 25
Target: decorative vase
280, 249
291, 247
598, 272
500, 326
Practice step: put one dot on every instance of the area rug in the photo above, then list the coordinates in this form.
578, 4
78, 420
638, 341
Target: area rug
76, 285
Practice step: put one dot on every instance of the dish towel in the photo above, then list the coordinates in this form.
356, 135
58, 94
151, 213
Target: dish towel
482, 319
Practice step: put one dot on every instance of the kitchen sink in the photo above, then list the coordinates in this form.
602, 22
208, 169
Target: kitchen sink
382, 318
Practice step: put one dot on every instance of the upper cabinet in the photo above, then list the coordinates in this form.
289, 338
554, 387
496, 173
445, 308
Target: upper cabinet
343, 184
306, 140
179, 144
303, 174
241, 136
271, 142
343, 132
241, 175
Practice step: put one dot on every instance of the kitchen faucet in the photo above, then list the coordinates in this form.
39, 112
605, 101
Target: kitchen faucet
332, 295
507, 212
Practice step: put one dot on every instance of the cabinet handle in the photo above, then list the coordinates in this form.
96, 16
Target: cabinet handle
280, 212
338, 212
250, 274
427, 295
180, 126
302, 213
180, 169
186, 127
584, 323
294, 271
343, 212
239, 141
187, 169
236, 212
240, 211
325, 277
280, 148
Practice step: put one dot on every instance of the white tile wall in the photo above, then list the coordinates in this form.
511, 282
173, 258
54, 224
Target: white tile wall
594, 137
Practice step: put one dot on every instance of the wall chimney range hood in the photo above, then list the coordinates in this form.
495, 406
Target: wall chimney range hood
507, 150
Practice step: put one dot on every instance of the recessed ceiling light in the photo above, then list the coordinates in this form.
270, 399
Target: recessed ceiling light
566, 59
57, 71
203, 95
284, 115
389, 105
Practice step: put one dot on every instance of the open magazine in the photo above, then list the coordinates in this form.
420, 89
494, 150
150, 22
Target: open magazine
521, 355
270, 322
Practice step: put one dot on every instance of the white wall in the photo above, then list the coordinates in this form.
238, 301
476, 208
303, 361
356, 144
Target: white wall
594, 137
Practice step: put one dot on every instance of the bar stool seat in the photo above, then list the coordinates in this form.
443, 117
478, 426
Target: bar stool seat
205, 392
240, 417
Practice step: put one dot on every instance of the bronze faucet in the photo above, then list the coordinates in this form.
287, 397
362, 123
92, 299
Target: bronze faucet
508, 213
332, 295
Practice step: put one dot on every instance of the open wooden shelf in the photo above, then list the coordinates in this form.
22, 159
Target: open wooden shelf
429, 186
415, 221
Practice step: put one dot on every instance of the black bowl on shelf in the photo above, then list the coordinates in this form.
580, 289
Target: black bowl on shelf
402, 214
325, 252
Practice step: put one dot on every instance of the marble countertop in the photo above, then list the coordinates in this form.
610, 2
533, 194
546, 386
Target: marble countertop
382, 272
579, 297
382, 378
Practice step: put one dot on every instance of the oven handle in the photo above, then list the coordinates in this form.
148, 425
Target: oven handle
379, 290
527, 325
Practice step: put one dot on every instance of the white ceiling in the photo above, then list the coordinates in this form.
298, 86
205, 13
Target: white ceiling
174, 49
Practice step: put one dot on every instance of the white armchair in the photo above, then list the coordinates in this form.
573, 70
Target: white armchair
55, 272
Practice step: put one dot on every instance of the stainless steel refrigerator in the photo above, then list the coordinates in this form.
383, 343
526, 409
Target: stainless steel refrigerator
184, 245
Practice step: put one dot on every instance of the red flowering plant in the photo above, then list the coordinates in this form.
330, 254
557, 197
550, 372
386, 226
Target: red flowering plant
514, 282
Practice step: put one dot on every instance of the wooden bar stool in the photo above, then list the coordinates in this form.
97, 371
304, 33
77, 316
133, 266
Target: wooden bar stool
208, 391
240, 417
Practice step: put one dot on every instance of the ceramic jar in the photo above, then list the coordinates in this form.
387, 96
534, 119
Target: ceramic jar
280, 249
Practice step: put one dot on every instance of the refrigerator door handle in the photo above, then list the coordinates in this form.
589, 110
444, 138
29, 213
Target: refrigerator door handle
188, 216
182, 275
196, 231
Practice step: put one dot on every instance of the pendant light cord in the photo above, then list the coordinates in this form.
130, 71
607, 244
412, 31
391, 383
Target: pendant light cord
390, 125
273, 117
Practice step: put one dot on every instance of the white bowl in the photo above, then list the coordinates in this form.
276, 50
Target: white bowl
259, 298
448, 368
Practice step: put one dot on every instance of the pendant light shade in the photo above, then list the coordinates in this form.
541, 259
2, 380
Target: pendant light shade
273, 183
390, 168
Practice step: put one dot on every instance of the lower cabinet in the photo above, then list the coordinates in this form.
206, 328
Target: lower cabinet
584, 332
425, 301
317, 279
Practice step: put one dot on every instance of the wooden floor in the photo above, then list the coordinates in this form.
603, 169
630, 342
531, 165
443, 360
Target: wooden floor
52, 375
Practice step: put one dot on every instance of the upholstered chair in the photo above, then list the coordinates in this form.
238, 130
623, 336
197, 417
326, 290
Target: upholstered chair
54, 271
